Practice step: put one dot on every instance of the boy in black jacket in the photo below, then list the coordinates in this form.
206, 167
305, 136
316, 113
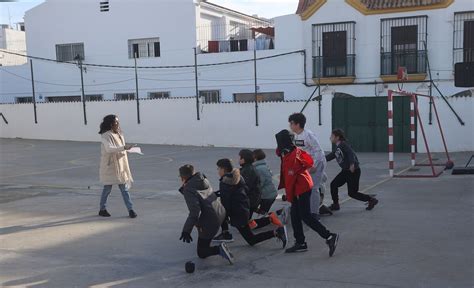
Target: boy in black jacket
350, 174
249, 173
206, 213
232, 190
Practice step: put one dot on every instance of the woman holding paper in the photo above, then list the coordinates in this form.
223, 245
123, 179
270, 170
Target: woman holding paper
114, 169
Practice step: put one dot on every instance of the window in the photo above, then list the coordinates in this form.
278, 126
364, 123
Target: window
144, 48
24, 100
67, 52
211, 96
261, 97
124, 96
104, 6
463, 37
158, 95
97, 97
403, 44
334, 49
63, 99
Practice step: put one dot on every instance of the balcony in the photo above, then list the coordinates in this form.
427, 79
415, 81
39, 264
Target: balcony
413, 61
235, 37
334, 70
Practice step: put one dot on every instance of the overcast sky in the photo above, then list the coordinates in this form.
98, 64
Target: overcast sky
13, 12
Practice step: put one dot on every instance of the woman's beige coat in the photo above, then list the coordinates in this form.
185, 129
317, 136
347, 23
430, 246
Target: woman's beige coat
114, 167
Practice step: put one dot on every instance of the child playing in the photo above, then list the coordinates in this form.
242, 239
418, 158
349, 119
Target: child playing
306, 140
235, 200
269, 191
248, 172
296, 180
350, 173
206, 213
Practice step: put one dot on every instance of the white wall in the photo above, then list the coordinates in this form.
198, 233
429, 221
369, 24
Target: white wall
165, 122
457, 136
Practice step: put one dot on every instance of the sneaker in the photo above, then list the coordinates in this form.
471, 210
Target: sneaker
225, 253
275, 220
285, 215
335, 207
224, 237
252, 224
372, 202
104, 213
132, 214
282, 235
324, 210
332, 243
297, 248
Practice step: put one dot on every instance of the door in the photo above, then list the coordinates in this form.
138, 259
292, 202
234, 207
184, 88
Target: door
364, 120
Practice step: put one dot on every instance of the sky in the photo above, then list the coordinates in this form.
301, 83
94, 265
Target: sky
12, 12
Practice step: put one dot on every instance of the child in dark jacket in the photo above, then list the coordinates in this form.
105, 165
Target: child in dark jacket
296, 180
248, 172
206, 213
232, 190
350, 173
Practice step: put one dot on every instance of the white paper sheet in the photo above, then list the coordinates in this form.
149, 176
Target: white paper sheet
136, 150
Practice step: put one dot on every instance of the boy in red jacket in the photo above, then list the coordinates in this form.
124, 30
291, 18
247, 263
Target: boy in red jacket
296, 180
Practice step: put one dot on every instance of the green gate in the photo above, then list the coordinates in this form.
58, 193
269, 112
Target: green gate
364, 120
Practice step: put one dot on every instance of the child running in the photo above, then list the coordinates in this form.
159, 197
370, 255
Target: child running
268, 189
248, 172
307, 141
234, 198
206, 213
296, 180
350, 173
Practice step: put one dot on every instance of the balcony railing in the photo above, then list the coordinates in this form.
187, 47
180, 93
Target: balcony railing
233, 37
414, 61
463, 55
333, 67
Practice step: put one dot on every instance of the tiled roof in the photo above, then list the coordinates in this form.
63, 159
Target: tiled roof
303, 5
387, 4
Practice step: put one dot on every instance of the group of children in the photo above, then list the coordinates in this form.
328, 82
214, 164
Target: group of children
250, 189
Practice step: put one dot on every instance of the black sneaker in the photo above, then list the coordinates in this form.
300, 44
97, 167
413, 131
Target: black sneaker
132, 214
104, 213
225, 253
372, 202
324, 210
224, 237
297, 248
282, 235
335, 207
332, 243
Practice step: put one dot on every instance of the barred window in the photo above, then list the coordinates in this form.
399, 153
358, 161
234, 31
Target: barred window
463, 37
67, 52
158, 95
124, 96
144, 48
24, 99
211, 96
261, 97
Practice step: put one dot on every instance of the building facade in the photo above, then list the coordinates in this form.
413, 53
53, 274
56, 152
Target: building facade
12, 40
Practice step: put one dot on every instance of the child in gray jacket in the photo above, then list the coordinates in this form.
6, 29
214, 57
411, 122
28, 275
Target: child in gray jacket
268, 189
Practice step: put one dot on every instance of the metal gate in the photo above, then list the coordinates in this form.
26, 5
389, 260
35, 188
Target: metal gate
364, 119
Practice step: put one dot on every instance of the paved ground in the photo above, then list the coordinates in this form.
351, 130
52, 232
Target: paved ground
419, 236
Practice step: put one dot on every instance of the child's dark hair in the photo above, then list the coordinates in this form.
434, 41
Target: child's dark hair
247, 155
339, 133
298, 118
225, 164
186, 171
107, 123
258, 154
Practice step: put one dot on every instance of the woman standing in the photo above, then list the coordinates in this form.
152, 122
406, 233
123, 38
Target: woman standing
114, 169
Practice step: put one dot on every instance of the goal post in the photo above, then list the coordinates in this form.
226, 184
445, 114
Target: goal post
414, 113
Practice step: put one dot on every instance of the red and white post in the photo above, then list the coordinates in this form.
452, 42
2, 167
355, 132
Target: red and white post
390, 132
412, 128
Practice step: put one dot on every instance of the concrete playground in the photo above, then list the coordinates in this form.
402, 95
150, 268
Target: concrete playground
420, 234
